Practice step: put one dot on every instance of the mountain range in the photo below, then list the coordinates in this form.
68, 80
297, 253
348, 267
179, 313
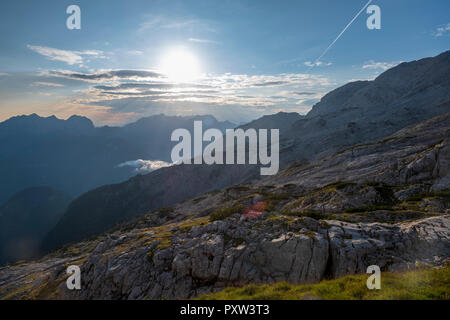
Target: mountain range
74, 156
366, 167
383, 203
358, 112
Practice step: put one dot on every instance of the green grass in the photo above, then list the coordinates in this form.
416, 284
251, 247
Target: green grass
186, 225
428, 284
310, 213
224, 213
367, 209
274, 199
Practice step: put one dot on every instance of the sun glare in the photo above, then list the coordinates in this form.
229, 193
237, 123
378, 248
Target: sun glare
180, 65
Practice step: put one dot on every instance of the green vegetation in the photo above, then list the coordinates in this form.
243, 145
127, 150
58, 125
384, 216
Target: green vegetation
310, 213
164, 241
428, 284
279, 219
273, 199
186, 226
224, 213
310, 234
367, 209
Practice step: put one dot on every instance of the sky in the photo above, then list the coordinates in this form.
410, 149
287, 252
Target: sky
235, 60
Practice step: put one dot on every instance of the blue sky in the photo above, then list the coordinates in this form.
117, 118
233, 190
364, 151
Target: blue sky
251, 57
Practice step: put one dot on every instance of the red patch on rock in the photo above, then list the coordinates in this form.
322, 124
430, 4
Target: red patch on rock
255, 210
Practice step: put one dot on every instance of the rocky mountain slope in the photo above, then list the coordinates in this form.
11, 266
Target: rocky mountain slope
359, 112
385, 203
364, 111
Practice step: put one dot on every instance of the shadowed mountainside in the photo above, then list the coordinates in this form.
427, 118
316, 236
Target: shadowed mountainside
74, 156
26, 218
302, 226
359, 112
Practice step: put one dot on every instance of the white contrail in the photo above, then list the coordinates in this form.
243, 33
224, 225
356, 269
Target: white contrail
342, 32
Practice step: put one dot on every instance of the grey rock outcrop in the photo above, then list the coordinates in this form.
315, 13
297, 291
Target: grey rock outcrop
236, 252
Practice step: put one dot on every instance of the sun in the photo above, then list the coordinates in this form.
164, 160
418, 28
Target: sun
180, 65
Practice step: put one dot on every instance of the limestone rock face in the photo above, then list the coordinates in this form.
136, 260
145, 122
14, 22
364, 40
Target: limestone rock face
393, 248
412, 155
294, 250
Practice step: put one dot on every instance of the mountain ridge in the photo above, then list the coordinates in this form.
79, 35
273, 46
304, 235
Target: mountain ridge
306, 225
74, 156
358, 116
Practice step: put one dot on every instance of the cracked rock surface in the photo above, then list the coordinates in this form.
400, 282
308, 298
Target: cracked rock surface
383, 203
233, 252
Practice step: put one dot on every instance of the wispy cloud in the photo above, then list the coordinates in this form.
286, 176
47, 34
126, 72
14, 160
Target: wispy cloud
135, 52
234, 97
162, 22
317, 64
46, 94
102, 75
442, 30
67, 56
203, 41
48, 84
3, 74
379, 65
145, 165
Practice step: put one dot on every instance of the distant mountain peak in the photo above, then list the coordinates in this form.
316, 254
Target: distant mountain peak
402, 82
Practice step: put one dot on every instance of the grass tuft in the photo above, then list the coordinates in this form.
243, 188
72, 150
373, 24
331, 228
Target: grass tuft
427, 284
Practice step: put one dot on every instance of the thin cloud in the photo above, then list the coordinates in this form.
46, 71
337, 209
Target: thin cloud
317, 64
442, 30
271, 83
135, 52
202, 41
379, 65
3, 74
303, 93
100, 76
46, 94
160, 22
67, 56
48, 84
132, 92
145, 165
